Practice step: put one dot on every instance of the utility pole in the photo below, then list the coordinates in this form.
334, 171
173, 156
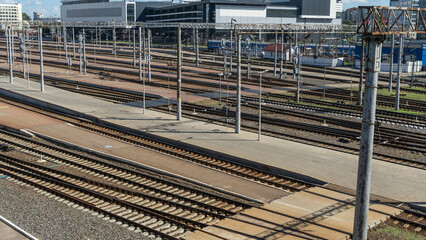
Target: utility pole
197, 57
134, 47
361, 72
40, 42
140, 53
238, 110
11, 58
282, 55
412, 71
232, 45
80, 51
297, 73
114, 40
73, 42
179, 71
374, 30
259, 136
22, 49
398, 80
391, 62
64, 33
374, 47
7, 43
149, 54
84, 53
275, 54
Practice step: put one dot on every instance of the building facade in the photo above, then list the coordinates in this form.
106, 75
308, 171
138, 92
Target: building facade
98, 11
251, 12
352, 14
11, 14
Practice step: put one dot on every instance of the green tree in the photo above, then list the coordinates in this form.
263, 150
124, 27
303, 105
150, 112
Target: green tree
25, 16
348, 22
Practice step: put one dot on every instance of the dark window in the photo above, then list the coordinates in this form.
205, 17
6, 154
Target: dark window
130, 12
280, 13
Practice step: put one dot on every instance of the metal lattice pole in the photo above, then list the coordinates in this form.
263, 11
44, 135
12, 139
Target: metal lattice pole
374, 48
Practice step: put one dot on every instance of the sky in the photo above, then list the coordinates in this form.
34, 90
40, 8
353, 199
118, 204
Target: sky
50, 8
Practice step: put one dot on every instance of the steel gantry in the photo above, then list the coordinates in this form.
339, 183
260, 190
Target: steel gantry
376, 23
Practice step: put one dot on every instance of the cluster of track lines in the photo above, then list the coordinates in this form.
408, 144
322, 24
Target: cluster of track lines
173, 149
379, 112
387, 101
176, 207
189, 109
338, 112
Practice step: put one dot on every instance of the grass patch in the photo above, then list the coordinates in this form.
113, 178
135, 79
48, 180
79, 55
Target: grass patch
415, 88
414, 96
401, 111
387, 232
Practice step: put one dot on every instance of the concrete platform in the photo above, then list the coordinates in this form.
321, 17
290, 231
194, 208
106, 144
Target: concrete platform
9, 231
312, 214
388, 180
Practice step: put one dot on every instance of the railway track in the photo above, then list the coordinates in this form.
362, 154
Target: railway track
156, 216
189, 112
168, 147
350, 107
386, 101
401, 121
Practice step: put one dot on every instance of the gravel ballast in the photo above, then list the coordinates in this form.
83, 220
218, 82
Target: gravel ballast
46, 218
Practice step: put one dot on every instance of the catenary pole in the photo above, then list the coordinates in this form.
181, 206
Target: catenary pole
361, 72
134, 47
391, 62
282, 56
40, 42
73, 42
140, 53
197, 52
84, 53
398, 80
275, 54
11, 60
179, 72
374, 48
238, 110
149, 54
64, 33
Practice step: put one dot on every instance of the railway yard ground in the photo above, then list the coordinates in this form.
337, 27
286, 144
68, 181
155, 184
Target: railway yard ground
85, 157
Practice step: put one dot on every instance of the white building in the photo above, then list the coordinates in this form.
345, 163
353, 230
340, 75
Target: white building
11, 13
